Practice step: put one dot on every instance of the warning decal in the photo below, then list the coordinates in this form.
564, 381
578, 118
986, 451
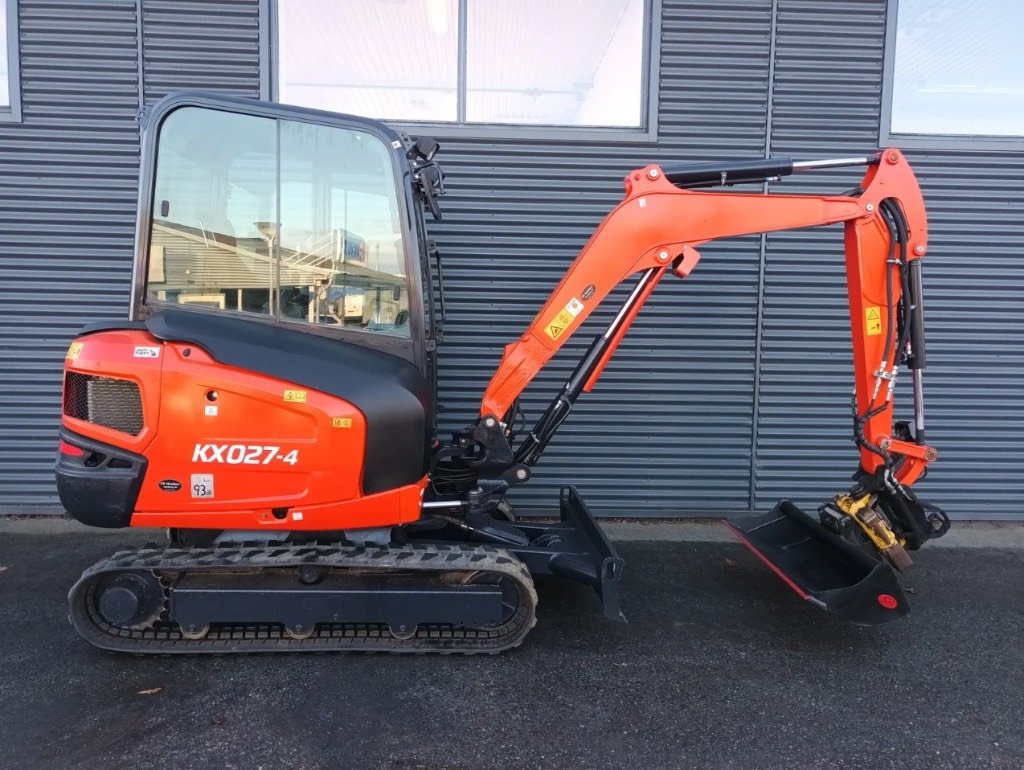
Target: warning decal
559, 324
872, 321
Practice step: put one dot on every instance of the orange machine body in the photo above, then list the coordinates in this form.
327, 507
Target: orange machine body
228, 448
232, 449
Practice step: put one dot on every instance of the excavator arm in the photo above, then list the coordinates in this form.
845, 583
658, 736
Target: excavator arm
659, 226
657, 229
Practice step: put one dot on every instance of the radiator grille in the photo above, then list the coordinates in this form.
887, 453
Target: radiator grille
106, 401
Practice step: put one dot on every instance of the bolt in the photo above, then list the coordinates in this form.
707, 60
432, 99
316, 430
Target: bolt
489, 422
521, 474
663, 255
930, 454
653, 173
919, 249
885, 443
893, 157
870, 207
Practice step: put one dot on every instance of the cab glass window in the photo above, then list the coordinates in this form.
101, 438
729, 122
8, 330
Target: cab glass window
285, 219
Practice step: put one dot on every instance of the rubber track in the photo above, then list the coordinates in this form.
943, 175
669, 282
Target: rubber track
165, 638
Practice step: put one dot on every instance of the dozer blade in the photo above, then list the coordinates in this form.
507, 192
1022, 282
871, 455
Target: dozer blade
822, 567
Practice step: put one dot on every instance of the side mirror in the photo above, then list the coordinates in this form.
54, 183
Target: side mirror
425, 148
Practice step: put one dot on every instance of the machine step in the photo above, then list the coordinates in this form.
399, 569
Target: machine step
822, 567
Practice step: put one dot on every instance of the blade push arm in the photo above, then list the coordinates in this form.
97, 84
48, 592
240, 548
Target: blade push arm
659, 226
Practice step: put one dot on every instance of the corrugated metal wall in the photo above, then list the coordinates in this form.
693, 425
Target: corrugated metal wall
212, 46
828, 78
668, 426
671, 426
67, 192
68, 188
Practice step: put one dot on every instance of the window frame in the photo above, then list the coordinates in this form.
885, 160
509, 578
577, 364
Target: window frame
646, 133
413, 348
886, 137
12, 113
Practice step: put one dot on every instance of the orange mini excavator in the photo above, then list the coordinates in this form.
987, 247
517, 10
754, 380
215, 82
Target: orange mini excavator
272, 400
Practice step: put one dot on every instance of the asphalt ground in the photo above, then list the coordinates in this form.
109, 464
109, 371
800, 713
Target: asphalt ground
720, 667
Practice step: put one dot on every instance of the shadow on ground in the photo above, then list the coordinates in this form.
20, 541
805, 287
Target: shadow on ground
720, 667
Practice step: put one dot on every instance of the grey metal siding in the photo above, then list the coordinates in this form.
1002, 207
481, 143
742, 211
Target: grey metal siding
68, 186
974, 305
828, 79
825, 104
670, 426
67, 179
209, 46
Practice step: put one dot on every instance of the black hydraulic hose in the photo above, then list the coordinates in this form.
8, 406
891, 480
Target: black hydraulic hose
901, 511
860, 421
912, 301
893, 210
889, 320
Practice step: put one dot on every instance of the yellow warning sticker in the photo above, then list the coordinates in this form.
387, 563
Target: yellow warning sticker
557, 326
295, 396
75, 350
341, 422
872, 320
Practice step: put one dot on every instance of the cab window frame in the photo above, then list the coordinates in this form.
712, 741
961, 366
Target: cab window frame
11, 112
412, 347
924, 140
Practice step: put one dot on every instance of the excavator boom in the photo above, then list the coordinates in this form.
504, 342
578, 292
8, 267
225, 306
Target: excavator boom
657, 229
659, 226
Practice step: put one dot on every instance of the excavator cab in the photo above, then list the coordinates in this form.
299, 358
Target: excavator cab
271, 401
311, 226
290, 250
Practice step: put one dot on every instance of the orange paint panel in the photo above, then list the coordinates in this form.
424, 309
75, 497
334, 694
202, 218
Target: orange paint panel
224, 446
386, 509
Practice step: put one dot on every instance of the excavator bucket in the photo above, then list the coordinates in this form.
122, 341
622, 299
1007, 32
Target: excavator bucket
822, 567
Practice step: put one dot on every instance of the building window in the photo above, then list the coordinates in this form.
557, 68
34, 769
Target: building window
573, 63
277, 218
954, 69
10, 102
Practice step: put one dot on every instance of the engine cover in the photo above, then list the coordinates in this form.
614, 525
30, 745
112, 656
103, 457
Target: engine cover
229, 445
